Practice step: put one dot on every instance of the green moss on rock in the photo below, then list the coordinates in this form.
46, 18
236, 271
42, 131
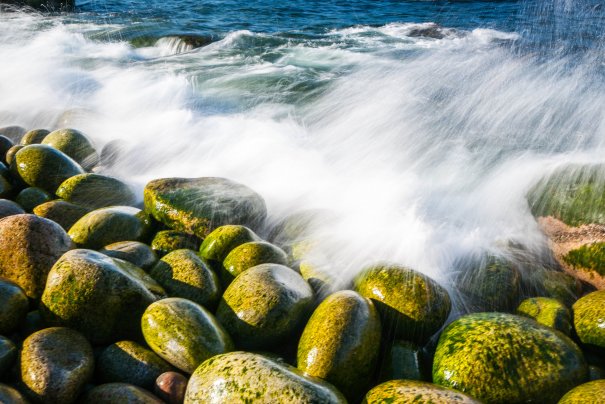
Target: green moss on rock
34, 136
135, 252
412, 391
587, 393
219, 243
75, 144
589, 258
589, 318
61, 212
166, 241
95, 191
547, 311
250, 254
10, 154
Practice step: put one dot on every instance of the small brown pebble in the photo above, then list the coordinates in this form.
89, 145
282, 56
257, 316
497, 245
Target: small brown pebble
170, 387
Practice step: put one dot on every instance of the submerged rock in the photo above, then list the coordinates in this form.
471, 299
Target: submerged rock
135, 252
412, 391
547, 311
589, 318
75, 144
61, 212
95, 191
14, 306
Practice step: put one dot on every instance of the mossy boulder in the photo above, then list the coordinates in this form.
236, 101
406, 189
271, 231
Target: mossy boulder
92, 293
9, 208
14, 306
9, 395
130, 362
413, 391
589, 318
166, 241
183, 333
265, 305
10, 154
75, 144
251, 254
557, 285
135, 252
184, 274
61, 212
56, 363
587, 393
547, 311
318, 277
43, 166
341, 342
34, 136
411, 304
219, 243
31, 197
588, 263
95, 191
29, 246
503, 358
240, 377
109, 225
199, 205
8, 355
403, 360
112, 393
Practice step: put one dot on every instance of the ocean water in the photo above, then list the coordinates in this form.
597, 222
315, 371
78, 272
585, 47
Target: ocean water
420, 125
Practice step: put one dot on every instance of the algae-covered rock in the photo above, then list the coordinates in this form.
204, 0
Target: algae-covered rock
29, 246
96, 191
13, 306
183, 333
171, 387
9, 395
91, 293
413, 391
75, 144
557, 285
341, 342
219, 243
166, 241
112, 393
403, 360
588, 263
8, 354
264, 305
184, 274
31, 197
56, 363
139, 273
109, 225
9, 157
243, 377
61, 212
411, 304
252, 254
43, 166
318, 277
9, 208
589, 318
587, 393
547, 311
503, 358
135, 252
33, 136
199, 205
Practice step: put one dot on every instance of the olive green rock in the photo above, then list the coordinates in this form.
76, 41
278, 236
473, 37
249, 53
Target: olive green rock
199, 205
587, 393
252, 254
547, 311
183, 333
184, 274
318, 277
139, 273
166, 241
95, 191
589, 318
43, 166
219, 243
10, 154
9, 208
33, 136
123, 393
403, 360
29, 246
31, 197
75, 144
413, 391
129, 362
588, 262
265, 305
61, 212
411, 304
135, 252
244, 377
109, 225
92, 293
8, 354
503, 358
13, 306
557, 285
341, 342
9, 395
6, 188
56, 363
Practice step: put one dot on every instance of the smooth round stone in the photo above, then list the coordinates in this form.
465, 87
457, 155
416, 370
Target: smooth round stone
412, 391
61, 212
8, 355
411, 304
245, 377
587, 393
341, 342
171, 387
166, 241
183, 273
6, 187
29, 246
56, 363
403, 360
9, 208
265, 305
112, 393
183, 333
135, 252
557, 285
109, 225
547, 311
96, 191
318, 277
5, 145
8, 395
252, 254
43, 166
129, 362
142, 276
13, 306
31, 197
503, 358
219, 243
96, 295
9, 157
75, 144
34, 136
589, 318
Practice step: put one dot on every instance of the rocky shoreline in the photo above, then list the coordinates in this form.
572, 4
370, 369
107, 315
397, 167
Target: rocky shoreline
189, 297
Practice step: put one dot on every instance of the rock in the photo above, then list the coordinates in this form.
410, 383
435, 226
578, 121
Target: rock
183, 333
6, 188
219, 243
93, 294
586, 263
9, 208
589, 318
587, 393
166, 241
112, 393
413, 391
265, 305
5, 145
199, 205
129, 362
14, 132
8, 355
135, 252
595, 372
403, 360
109, 225
31, 197
9, 157
8, 395
75, 144
13, 306
246, 377
547, 311
411, 304
95, 191
249, 255
341, 342
29, 246
112, 152
56, 363
170, 387
557, 285
142, 276
183, 274
318, 277
44, 167
503, 358
61, 212
34, 136
33, 322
